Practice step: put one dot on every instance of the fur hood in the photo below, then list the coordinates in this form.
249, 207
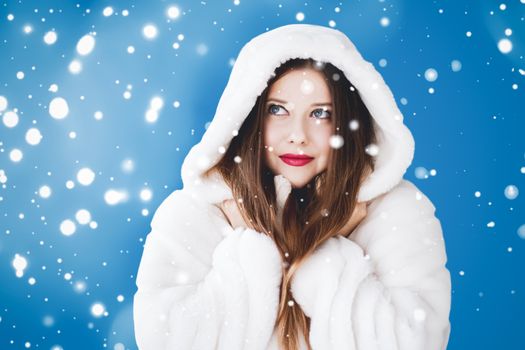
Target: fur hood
203, 285
251, 71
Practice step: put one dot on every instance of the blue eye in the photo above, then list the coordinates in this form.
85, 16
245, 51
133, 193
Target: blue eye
318, 115
273, 109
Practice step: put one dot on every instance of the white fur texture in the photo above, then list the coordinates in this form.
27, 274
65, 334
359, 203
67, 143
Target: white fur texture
202, 285
254, 66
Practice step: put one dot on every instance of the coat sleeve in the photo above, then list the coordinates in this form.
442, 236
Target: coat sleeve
385, 287
199, 288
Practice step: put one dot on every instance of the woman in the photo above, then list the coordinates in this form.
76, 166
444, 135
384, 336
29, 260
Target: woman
294, 228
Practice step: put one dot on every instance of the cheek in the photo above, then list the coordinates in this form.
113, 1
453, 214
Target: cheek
270, 134
322, 140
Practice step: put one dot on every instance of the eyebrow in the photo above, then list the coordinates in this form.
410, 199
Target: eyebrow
313, 104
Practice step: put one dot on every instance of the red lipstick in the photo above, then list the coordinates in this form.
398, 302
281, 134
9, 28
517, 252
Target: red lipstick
296, 159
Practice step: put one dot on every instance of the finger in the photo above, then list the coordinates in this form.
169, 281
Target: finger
283, 187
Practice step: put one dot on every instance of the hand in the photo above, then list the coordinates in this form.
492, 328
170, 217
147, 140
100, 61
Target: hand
229, 207
358, 215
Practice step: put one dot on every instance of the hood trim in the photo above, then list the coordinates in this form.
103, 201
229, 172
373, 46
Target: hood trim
257, 61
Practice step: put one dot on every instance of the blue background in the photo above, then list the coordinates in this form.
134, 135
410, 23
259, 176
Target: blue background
469, 137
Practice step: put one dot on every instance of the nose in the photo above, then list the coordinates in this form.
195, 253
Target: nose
297, 132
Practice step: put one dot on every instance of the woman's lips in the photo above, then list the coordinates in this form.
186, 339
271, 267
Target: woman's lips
296, 160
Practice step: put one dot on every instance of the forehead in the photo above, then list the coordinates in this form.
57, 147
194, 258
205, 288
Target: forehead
300, 83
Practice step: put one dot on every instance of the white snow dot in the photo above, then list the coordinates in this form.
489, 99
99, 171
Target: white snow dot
514, 86
58, 108
44, 191
10, 17
146, 194
502, 7
48, 321
421, 173
491, 224
86, 44
521, 231
511, 192
508, 32
299, 16
477, 194
119, 346
336, 141
28, 29
384, 21
505, 45
149, 31
176, 104
120, 298
10, 119
33, 136
237, 159
113, 197
67, 276
404, 101
85, 176
354, 124
131, 49
469, 34
98, 115
127, 165
372, 149
83, 216
70, 184
16, 155
382, 62
53, 88
50, 38
156, 103
79, 286
202, 49
98, 309
431, 74
20, 75
3, 103
3, 177
173, 12
455, 65
307, 86
75, 67
67, 227
331, 23
20, 264
108, 11
151, 115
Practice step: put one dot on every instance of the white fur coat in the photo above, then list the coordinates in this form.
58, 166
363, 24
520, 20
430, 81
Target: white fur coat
203, 285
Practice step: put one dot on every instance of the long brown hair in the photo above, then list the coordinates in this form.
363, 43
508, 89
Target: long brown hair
311, 214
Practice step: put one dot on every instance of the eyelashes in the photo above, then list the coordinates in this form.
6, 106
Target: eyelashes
274, 108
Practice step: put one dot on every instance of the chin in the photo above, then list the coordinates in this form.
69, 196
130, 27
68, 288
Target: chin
296, 183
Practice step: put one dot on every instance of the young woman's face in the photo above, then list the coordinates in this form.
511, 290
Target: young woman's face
298, 122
